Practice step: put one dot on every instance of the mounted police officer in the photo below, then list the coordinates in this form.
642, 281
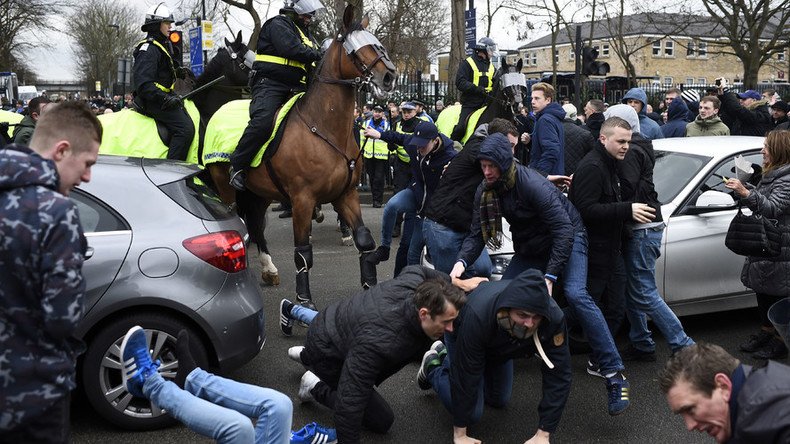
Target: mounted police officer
155, 68
286, 54
475, 80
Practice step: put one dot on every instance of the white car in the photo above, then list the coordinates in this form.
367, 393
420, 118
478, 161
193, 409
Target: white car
696, 273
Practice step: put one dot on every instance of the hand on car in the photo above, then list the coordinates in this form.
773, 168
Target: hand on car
737, 186
642, 213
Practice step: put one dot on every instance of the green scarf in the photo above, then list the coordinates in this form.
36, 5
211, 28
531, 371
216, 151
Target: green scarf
490, 213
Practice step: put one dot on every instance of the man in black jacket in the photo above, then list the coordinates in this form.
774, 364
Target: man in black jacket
502, 321
746, 114
578, 142
357, 343
593, 110
285, 55
730, 401
448, 215
596, 194
474, 79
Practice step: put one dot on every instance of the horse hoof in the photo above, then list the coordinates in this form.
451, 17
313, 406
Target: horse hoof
270, 279
318, 216
347, 241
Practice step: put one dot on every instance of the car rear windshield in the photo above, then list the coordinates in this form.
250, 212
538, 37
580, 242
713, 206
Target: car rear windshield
195, 196
673, 171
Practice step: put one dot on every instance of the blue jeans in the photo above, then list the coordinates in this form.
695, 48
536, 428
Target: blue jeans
221, 408
642, 297
444, 244
495, 390
581, 305
303, 314
402, 202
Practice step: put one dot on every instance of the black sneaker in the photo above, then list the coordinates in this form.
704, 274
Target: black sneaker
756, 342
631, 353
286, 323
280, 207
430, 360
287, 213
618, 391
775, 349
594, 369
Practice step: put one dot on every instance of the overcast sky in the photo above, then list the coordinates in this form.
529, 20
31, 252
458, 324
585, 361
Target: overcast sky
55, 59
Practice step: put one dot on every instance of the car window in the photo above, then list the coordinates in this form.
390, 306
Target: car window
195, 196
726, 170
95, 216
673, 171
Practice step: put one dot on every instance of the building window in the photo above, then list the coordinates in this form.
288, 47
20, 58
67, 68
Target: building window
780, 56
557, 55
702, 49
702, 81
534, 58
690, 49
605, 50
657, 48
669, 48
689, 80
572, 53
668, 81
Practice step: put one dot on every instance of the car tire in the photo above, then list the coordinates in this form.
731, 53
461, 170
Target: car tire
102, 366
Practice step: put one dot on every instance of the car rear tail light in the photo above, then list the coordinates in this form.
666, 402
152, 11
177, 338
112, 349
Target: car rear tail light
224, 250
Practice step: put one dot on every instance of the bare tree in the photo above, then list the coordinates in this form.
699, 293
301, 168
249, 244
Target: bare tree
457, 41
488, 19
18, 21
756, 31
103, 31
411, 30
249, 7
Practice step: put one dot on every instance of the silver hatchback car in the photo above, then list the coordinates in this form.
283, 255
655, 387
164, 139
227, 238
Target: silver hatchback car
165, 254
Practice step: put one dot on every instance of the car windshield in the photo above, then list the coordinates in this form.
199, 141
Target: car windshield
673, 171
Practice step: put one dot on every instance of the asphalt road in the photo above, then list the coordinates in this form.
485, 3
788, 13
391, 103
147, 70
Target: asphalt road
420, 418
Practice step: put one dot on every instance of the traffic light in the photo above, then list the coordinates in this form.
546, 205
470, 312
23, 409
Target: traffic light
177, 40
589, 66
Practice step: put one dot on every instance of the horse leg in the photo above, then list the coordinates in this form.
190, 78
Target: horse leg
303, 250
253, 210
347, 206
221, 178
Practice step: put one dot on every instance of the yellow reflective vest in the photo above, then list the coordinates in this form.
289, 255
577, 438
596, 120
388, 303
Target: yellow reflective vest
400, 150
477, 74
372, 148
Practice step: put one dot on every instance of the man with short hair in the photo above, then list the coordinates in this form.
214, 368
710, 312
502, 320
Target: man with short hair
357, 343
593, 110
438, 108
578, 141
779, 113
730, 401
547, 154
41, 255
746, 113
708, 123
24, 129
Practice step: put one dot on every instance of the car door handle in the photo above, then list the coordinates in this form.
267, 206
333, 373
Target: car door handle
88, 253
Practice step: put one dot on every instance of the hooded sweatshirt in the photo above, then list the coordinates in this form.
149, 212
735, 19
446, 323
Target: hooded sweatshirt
41, 296
481, 341
548, 141
712, 126
649, 128
626, 113
676, 119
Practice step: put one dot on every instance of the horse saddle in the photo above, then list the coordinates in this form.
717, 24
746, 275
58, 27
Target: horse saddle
161, 130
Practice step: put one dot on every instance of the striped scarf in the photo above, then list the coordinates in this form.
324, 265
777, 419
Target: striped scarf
490, 212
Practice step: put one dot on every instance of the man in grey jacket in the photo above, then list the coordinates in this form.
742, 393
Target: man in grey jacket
730, 401
708, 122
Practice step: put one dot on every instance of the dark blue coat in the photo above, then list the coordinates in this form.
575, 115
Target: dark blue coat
548, 141
676, 119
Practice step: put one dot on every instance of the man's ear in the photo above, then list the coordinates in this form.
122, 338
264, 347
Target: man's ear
724, 383
424, 313
62, 149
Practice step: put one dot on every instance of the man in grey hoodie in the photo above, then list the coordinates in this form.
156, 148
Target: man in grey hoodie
637, 99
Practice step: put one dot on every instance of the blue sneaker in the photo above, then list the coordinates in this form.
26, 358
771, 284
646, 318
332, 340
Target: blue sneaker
314, 434
137, 364
618, 389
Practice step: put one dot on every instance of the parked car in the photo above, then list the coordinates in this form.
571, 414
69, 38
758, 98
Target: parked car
165, 254
696, 273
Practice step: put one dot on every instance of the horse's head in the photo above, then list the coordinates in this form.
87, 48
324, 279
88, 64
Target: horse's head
512, 85
369, 60
236, 61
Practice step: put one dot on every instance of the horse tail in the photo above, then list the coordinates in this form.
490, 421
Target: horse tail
251, 208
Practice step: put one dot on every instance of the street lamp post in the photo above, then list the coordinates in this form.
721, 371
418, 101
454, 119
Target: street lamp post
109, 72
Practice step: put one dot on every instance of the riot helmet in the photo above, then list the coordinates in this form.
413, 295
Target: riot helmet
303, 7
488, 45
156, 15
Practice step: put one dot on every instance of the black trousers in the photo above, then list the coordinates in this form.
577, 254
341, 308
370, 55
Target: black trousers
460, 127
51, 427
377, 173
180, 126
764, 302
267, 96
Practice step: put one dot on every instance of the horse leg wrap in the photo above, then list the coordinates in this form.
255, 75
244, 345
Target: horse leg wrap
367, 257
303, 259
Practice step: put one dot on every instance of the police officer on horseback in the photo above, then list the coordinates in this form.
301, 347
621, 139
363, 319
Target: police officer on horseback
475, 80
155, 69
286, 54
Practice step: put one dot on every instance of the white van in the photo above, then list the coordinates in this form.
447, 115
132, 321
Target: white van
27, 92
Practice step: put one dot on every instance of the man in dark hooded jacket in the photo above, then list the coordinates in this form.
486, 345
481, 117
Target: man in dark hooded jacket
637, 99
676, 119
548, 235
746, 113
357, 343
502, 321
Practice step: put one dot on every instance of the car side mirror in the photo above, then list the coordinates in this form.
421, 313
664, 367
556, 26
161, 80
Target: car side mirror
710, 201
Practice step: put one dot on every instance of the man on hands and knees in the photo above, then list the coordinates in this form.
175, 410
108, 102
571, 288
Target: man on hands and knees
502, 321
730, 401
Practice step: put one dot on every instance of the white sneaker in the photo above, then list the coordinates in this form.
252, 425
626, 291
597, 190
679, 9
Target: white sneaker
295, 353
309, 380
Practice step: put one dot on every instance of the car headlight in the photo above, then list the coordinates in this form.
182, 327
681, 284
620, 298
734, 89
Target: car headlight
501, 262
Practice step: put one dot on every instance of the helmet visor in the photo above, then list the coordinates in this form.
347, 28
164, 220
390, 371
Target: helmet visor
308, 6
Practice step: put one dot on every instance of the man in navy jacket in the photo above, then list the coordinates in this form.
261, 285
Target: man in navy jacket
548, 141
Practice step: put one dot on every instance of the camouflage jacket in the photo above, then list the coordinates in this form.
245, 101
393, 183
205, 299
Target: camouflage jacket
42, 247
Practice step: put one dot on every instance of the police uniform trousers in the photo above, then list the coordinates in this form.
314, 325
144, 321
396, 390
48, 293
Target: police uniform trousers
460, 128
377, 170
267, 96
180, 126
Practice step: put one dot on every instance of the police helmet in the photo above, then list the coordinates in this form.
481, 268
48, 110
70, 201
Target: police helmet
156, 15
303, 7
488, 45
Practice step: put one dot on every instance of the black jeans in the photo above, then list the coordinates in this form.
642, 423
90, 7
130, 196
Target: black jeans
267, 96
377, 172
181, 129
51, 427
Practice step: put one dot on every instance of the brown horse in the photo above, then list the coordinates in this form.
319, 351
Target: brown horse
318, 160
